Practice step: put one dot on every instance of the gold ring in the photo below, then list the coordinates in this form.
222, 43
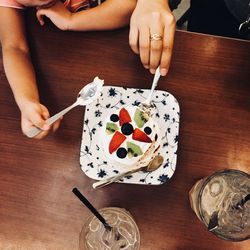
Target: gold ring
155, 37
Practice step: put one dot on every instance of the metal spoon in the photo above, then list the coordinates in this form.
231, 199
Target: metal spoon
154, 84
153, 165
87, 94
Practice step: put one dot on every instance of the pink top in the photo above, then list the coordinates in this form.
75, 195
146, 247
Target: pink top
11, 3
72, 5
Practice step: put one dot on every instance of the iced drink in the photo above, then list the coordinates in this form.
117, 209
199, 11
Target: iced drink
123, 235
222, 194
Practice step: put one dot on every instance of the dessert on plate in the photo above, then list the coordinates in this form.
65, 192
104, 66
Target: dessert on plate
130, 136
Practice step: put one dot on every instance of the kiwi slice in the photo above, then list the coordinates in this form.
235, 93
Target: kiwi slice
133, 150
140, 118
111, 128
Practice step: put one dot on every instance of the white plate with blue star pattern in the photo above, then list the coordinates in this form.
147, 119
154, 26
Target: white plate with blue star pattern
167, 114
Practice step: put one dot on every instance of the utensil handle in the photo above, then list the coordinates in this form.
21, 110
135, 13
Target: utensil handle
107, 181
112, 179
55, 117
156, 77
154, 85
35, 131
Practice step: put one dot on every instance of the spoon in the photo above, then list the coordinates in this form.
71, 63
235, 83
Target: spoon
152, 166
154, 84
87, 94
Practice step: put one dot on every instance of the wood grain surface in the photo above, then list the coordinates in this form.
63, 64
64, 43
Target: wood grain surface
209, 76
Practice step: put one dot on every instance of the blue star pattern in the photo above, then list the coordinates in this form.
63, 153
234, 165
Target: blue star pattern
166, 117
163, 178
98, 113
90, 164
176, 138
136, 103
164, 102
102, 173
140, 91
112, 92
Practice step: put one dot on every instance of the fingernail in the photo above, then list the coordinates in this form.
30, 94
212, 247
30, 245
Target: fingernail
164, 72
146, 66
152, 71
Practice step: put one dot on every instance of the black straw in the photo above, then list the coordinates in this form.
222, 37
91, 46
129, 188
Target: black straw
242, 202
213, 222
91, 208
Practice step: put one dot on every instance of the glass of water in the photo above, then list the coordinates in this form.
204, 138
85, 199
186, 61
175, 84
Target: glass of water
224, 198
123, 235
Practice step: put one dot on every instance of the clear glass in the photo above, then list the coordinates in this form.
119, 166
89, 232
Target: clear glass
124, 234
220, 193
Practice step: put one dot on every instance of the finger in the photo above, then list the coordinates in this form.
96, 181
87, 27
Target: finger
156, 28
39, 122
56, 125
133, 38
45, 113
42, 134
39, 16
144, 46
168, 43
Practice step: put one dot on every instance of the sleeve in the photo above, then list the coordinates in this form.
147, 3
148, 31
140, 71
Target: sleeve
75, 5
11, 4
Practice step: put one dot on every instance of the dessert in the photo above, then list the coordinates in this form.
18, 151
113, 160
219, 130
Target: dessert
130, 136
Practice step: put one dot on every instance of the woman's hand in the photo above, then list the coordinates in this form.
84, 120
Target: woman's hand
58, 14
152, 28
35, 115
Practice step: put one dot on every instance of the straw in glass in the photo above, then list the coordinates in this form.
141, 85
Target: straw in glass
91, 208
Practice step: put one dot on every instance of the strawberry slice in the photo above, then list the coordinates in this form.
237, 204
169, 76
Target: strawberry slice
124, 117
139, 135
117, 139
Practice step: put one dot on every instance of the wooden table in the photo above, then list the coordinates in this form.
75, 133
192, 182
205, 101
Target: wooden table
210, 78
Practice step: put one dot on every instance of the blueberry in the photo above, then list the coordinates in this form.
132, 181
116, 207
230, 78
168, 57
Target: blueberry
127, 129
121, 152
114, 118
148, 130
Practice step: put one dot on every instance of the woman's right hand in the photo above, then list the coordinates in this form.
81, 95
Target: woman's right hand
153, 18
34, 114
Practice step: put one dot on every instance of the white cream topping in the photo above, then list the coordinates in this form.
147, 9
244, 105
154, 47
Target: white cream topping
147, 148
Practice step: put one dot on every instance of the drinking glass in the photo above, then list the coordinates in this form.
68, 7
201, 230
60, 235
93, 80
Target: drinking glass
222, 197
123, 235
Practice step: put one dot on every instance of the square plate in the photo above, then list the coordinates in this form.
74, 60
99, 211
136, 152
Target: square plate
167, 114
